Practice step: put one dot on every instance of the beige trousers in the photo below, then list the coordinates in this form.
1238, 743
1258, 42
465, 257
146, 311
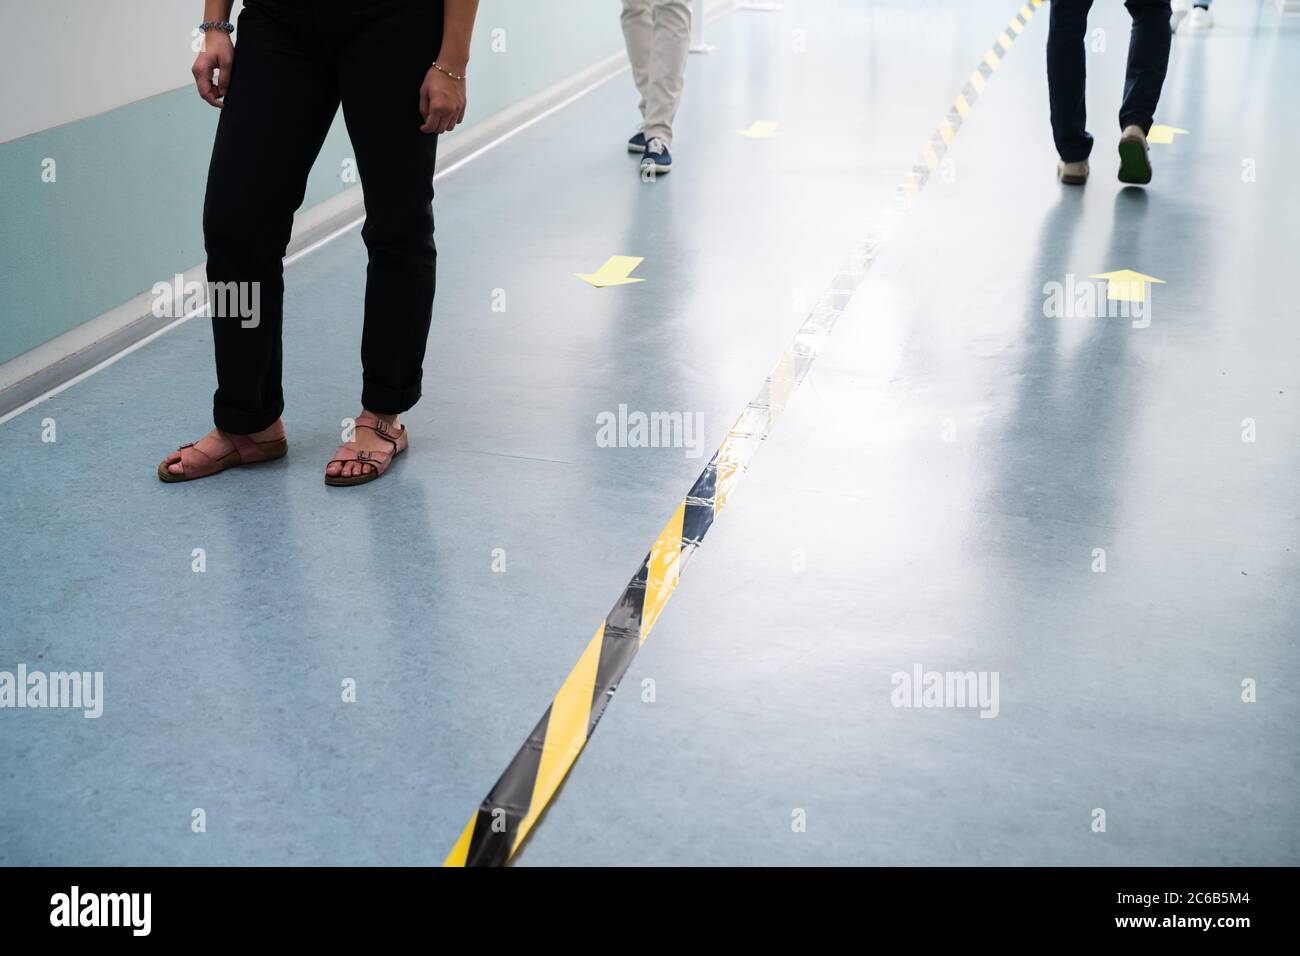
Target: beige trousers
658, 36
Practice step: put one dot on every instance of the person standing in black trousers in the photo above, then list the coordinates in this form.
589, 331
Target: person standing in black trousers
1148, 59
397, 67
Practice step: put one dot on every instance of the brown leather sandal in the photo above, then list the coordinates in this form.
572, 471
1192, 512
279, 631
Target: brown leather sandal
196, 464
378, 461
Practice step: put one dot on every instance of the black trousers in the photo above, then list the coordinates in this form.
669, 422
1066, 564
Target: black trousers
1148, 59
295, 62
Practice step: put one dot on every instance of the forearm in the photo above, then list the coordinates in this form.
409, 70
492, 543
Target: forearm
457, 27
217, 9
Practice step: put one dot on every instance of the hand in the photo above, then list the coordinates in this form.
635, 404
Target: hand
218, 54
442, 101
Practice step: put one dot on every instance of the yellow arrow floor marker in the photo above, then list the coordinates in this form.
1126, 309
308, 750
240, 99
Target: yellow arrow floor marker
760, 129
1125, 285
616, 271
1164, 135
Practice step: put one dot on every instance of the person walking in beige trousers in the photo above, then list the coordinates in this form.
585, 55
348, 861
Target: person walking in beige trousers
658, 36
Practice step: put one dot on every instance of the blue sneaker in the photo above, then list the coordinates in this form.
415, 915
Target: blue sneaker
637, 143
657, 158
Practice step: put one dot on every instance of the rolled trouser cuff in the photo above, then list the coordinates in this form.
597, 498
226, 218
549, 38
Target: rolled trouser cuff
386, 400
240, 421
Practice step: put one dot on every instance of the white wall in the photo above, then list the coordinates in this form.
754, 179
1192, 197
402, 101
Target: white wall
64, 60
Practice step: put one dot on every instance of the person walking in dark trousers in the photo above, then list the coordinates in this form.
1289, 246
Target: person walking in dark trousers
397, 67
1148, 59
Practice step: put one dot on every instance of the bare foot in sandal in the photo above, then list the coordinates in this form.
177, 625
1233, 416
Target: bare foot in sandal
377, 440
217, 450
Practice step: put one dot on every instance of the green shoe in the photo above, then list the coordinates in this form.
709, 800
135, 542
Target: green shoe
1134, 157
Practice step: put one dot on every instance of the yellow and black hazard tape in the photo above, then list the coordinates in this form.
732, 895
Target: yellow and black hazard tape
524, 790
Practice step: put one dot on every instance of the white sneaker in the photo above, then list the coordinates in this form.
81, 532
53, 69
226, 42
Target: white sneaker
1181, 9
1200, 21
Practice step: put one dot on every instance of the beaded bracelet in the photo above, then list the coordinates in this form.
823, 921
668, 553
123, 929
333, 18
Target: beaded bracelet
223, 25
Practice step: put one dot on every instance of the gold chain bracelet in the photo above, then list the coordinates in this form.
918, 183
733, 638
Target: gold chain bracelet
454, 76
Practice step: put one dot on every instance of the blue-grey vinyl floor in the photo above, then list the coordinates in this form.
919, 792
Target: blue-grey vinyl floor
936, 494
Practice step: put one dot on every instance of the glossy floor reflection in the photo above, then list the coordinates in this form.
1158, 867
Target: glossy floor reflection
936, 494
